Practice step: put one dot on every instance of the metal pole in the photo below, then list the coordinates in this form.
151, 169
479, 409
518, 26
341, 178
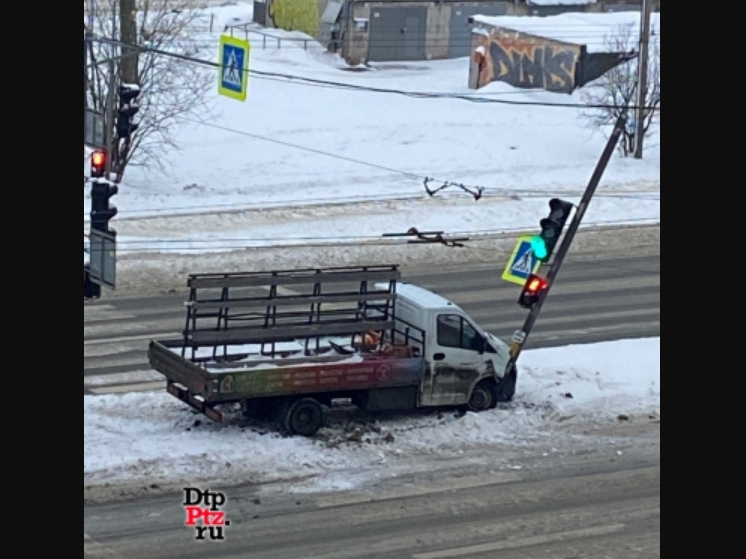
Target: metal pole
564, 249
109, 136
128, 65
86, 274
111, 86
85, 88
642, 78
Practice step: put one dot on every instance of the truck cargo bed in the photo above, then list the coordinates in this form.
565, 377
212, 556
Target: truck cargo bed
270, 337
227, 382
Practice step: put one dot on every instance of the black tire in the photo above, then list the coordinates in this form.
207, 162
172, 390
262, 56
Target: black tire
304, 417
507, 387
483, 397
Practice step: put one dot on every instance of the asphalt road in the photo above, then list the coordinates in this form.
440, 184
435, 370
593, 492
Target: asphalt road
593, 300
601, 501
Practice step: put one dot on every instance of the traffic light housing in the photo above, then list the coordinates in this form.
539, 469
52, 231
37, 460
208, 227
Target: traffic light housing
128, 108
102, 211
535, 286
98, 164
544, 243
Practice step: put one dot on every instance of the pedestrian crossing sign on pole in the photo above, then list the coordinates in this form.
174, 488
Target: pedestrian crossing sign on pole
522, 263
233, 74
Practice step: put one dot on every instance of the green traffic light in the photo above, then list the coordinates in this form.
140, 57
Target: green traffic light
539, 248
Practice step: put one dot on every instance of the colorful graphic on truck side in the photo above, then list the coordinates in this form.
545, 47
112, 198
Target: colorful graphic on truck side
329, 377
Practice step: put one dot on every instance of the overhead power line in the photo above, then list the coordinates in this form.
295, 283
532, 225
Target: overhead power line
237, 243
289, 78
234, 207
477, 191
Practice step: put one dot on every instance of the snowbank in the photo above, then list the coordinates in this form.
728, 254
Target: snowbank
155, 437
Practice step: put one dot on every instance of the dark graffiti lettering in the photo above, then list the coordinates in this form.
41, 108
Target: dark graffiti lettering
531, 69
559, 67
531, 65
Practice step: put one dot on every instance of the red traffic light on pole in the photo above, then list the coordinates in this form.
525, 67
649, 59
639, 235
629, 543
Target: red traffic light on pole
98, 164
535, 286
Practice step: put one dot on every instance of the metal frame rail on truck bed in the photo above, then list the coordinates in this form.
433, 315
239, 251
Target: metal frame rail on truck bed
285, 344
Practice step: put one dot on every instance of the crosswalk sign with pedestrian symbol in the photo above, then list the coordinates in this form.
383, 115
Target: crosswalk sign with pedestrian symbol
522, 263
233, 75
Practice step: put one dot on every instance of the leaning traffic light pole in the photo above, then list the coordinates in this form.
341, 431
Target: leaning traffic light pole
537, 289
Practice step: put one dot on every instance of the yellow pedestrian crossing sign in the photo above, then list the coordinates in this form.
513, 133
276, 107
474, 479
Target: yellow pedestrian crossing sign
522, 263
233, 74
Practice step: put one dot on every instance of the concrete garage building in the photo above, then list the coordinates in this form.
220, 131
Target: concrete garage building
406, 30
415, 30
383, 30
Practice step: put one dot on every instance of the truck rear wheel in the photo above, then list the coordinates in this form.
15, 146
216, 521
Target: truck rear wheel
304, 417
483, 397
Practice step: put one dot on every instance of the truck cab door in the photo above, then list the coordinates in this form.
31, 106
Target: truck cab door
456, 360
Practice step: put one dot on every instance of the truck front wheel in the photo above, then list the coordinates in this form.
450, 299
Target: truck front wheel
304, 417
483, 397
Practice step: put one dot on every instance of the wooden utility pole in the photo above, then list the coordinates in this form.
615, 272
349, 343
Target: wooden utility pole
642, 79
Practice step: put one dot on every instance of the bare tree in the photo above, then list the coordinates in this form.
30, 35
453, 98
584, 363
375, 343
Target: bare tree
173, 90
617, 89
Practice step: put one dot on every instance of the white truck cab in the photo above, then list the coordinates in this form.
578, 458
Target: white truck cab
460, 355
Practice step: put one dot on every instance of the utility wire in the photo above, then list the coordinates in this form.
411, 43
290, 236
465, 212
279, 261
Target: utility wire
478, 188
408, 174
498, 191
321, 83
341, 240
285, 77
305, 148
164, 212
289, 78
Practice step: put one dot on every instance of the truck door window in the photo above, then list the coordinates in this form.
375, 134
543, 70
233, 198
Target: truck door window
454, 331
470, 339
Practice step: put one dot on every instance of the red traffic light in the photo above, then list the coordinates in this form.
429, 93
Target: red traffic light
535, 285
98, 163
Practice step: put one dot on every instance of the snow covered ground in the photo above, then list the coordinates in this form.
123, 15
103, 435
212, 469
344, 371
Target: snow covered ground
156, 439
292, 144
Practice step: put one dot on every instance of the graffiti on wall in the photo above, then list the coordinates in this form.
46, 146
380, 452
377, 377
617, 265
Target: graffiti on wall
527, 62
295, 15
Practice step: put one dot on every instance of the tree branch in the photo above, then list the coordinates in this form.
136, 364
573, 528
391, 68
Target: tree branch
173, 91
618, 88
